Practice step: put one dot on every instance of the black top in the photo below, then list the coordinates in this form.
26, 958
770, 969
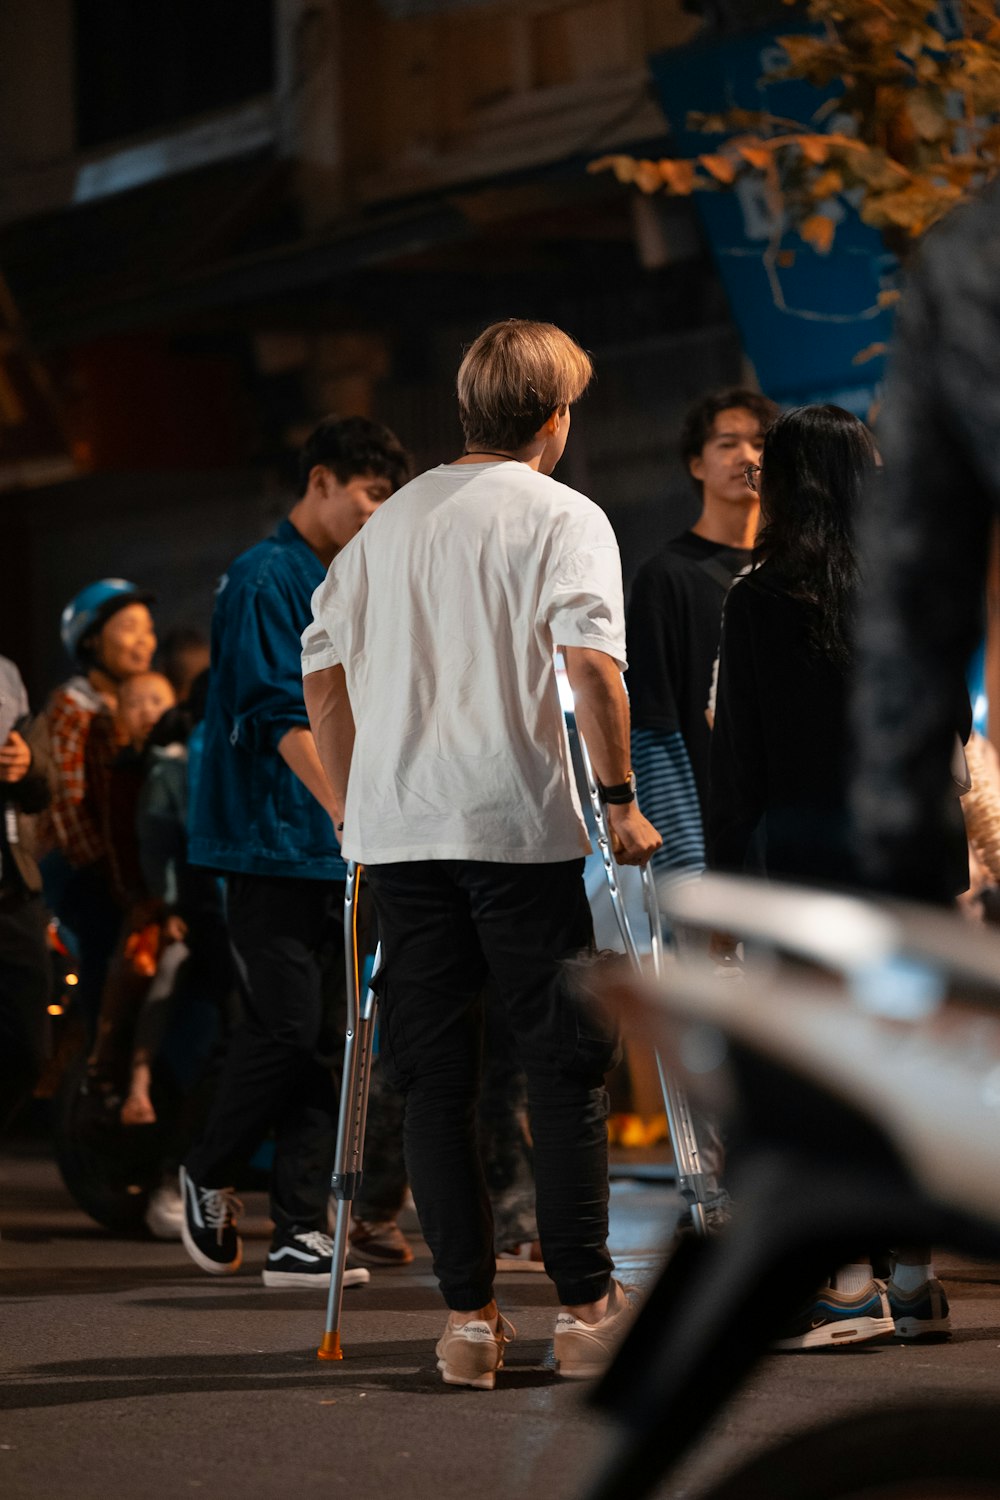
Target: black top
782, 750
674, 618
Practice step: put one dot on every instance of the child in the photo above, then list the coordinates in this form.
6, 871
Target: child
142, 701
117, 764
193, 927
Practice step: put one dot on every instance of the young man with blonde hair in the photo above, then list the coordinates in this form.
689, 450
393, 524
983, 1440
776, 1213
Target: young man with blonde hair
431, 689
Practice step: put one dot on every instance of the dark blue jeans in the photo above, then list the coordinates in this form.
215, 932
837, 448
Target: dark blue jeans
446, 926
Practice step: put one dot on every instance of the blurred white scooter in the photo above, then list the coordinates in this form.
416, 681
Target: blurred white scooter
858, 1065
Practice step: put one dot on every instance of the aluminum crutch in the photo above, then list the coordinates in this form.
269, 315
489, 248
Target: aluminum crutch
353, 1115
691, 1181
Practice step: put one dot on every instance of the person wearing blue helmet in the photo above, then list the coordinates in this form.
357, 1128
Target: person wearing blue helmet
108, 633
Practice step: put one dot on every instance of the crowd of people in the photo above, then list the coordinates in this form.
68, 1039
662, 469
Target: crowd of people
380, 687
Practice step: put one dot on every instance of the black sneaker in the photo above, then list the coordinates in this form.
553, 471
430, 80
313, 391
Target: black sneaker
304, 1257
208, 1228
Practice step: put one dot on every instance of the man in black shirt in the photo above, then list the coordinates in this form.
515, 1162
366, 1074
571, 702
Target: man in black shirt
674, 619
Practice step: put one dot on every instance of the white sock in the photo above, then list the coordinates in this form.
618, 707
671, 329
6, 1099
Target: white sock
853, 1278
909, 1278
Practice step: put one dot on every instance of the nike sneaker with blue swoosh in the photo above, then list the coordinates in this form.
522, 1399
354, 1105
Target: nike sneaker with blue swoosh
834, 1318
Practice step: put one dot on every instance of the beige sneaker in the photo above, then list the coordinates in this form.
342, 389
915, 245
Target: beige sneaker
584, 1350
380, 1243
472, 1353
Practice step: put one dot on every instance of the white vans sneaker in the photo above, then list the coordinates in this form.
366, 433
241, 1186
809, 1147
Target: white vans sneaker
305, 1258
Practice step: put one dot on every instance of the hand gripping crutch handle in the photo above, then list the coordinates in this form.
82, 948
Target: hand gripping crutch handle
691, 1182
353, 1113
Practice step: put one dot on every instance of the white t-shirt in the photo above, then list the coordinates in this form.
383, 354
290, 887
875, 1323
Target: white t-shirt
444, 612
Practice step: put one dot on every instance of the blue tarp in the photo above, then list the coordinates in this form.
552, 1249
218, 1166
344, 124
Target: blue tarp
804, 351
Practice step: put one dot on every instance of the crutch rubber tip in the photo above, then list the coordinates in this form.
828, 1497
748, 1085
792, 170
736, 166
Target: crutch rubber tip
330, 1347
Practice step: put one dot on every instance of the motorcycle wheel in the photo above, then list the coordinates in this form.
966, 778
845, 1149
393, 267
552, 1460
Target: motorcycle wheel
109, 1171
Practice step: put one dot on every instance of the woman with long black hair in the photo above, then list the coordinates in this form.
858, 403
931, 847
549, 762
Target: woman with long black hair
781, 757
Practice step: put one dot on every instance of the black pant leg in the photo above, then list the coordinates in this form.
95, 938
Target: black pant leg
95, 919
431, 1046
272, 1077
529, 920
503, 1130
444, 925
25, 985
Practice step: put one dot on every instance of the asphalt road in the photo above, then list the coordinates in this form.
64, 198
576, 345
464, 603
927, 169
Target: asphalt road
126, 1372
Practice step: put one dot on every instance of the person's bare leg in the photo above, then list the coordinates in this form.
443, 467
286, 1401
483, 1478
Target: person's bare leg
138, 1107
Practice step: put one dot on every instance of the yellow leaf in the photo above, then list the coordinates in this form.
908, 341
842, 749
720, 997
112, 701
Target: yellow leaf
803, 50
912, 45
679, 176
722, 168
757, 156
622, 166
871, 352
827, 184
927, 114
914, 208
876, 169
818, 230
708, 124
647, 176
815, 148
844, 142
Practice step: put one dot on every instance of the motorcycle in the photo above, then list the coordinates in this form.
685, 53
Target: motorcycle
856, 1062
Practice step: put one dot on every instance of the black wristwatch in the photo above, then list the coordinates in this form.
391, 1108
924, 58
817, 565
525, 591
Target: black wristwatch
619, 795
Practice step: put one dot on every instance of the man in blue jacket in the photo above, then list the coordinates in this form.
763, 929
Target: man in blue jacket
262, 812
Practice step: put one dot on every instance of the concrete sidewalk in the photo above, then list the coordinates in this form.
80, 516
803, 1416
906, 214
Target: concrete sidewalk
126, 1372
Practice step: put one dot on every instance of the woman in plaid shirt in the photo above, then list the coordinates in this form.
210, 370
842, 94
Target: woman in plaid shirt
108, 631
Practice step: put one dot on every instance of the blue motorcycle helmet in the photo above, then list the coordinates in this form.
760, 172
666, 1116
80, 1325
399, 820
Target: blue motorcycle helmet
91, 609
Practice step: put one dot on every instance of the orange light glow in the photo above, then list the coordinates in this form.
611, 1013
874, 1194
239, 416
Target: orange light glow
55, 1010
72, 979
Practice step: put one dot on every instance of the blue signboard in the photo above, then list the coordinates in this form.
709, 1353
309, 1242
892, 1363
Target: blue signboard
804, 322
